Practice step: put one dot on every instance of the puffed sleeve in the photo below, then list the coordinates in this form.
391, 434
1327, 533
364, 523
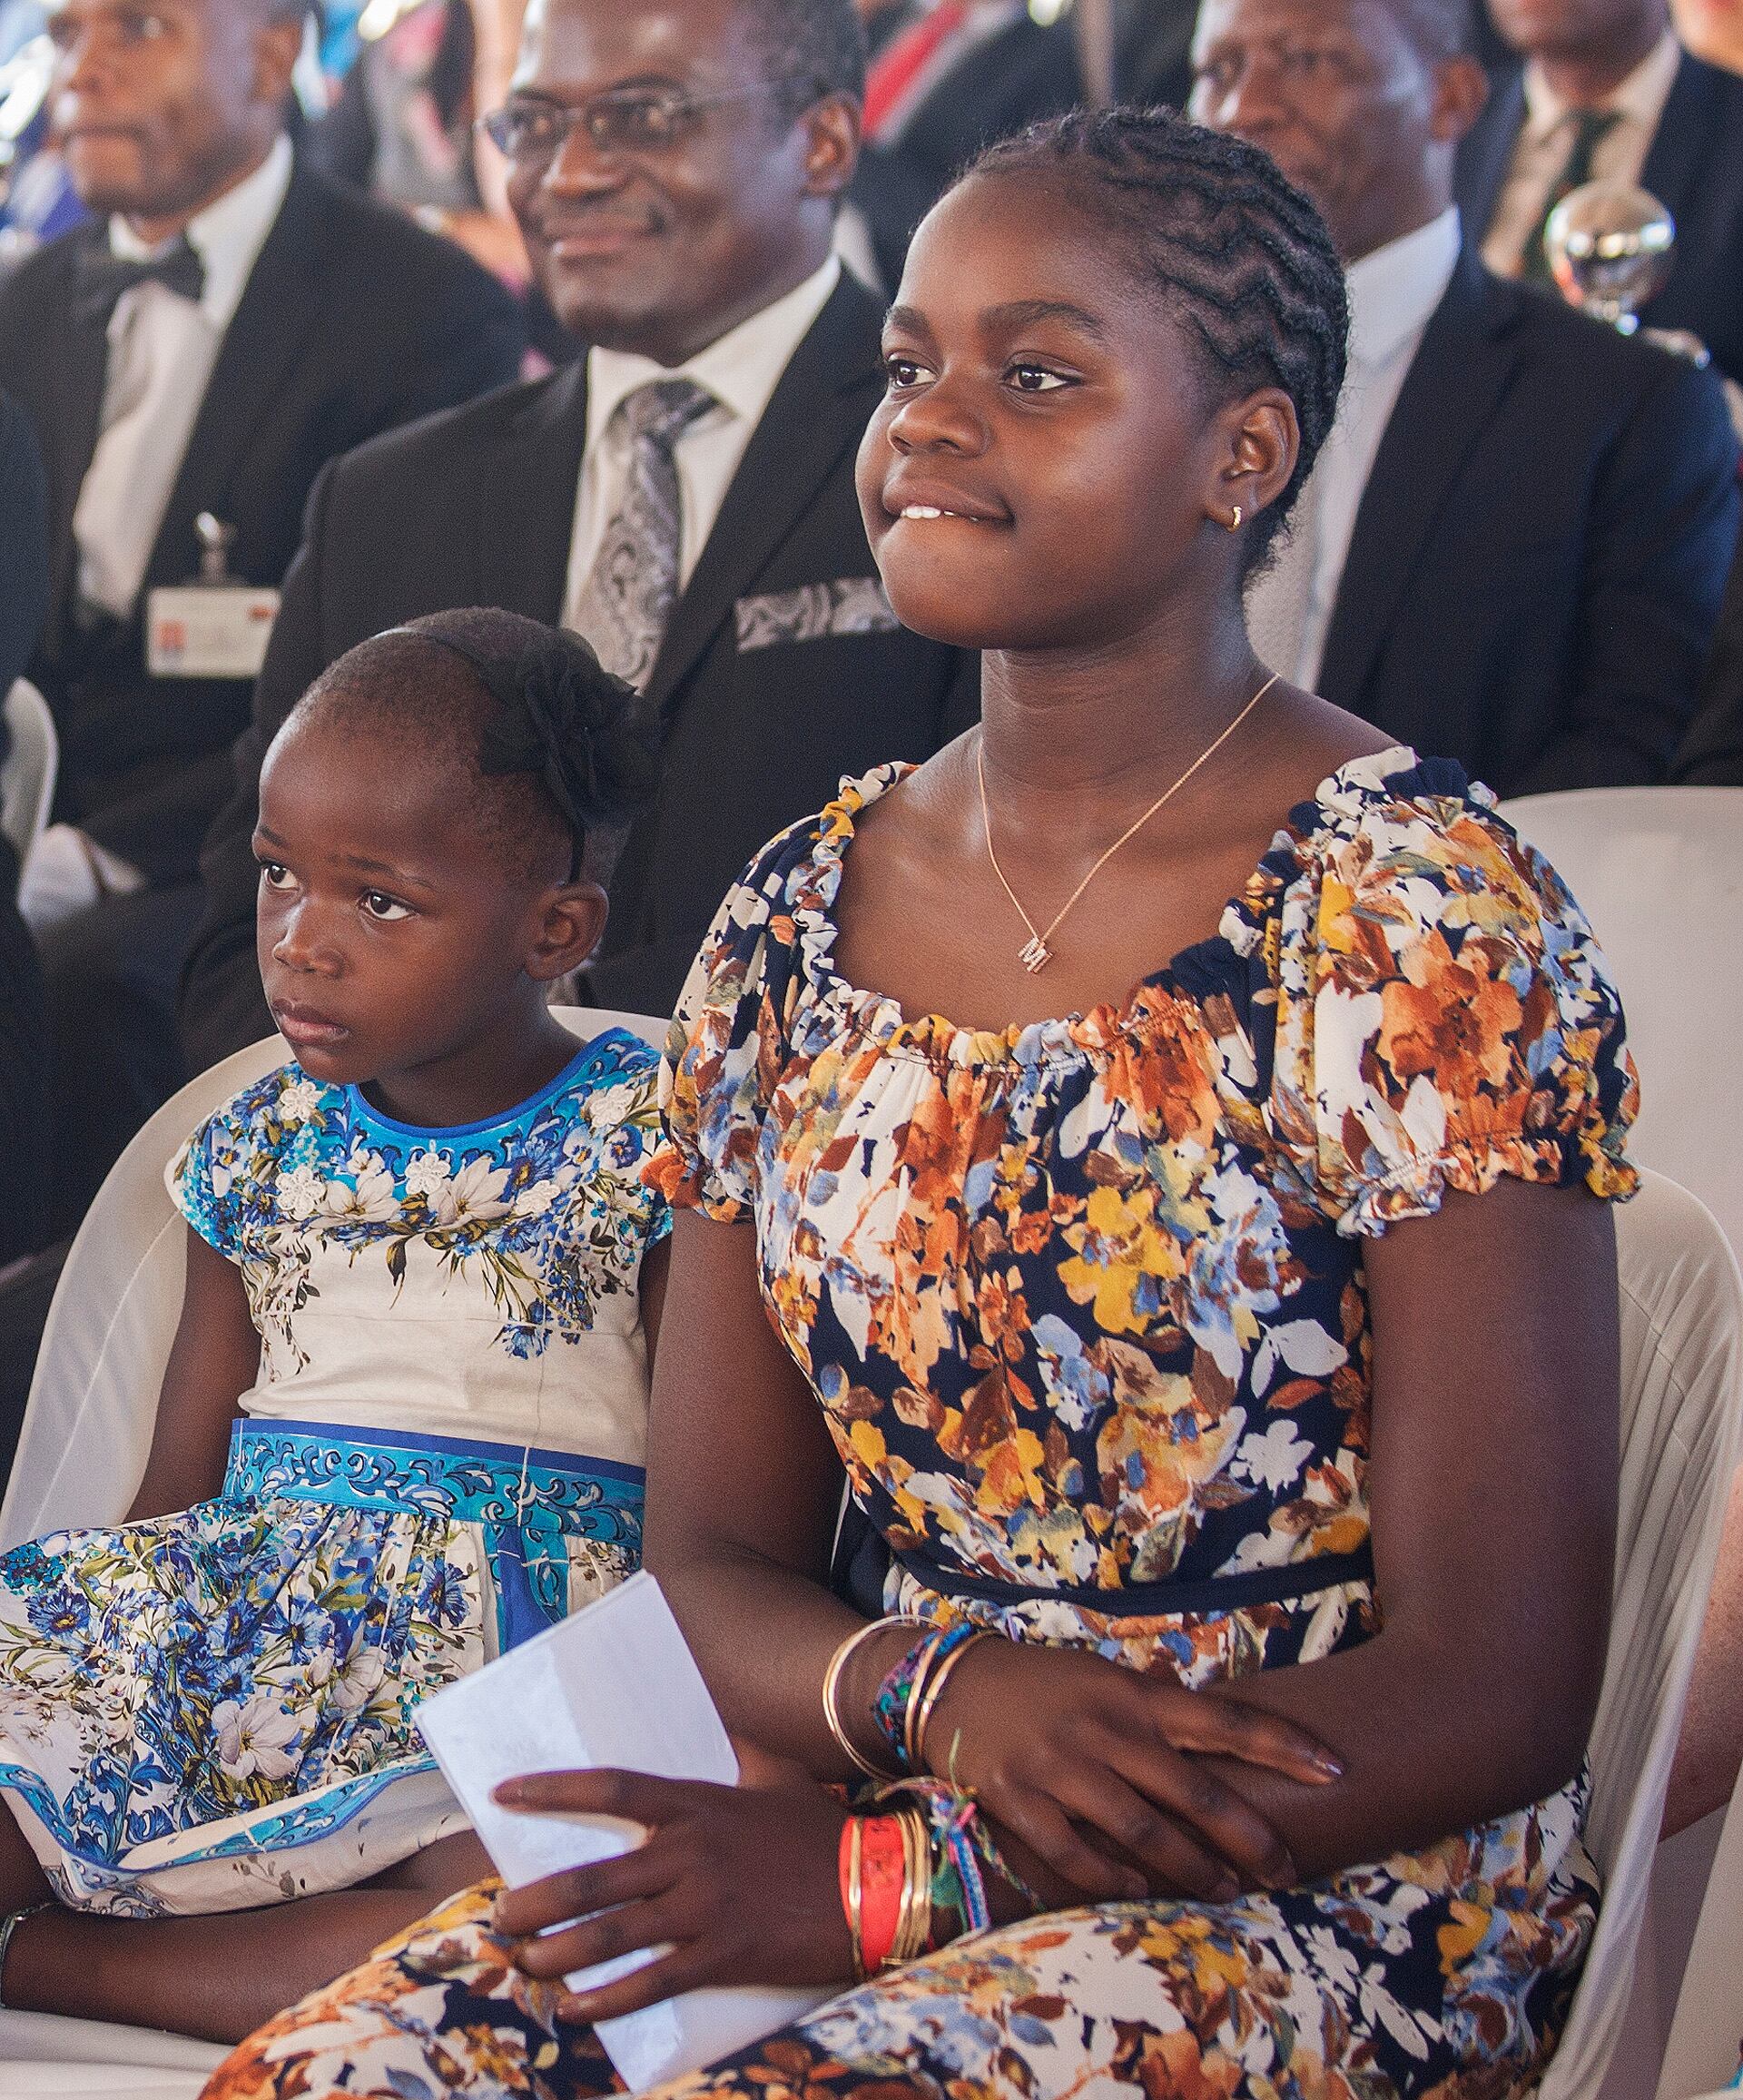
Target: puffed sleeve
210, 1180
730, 1036
1444, 1017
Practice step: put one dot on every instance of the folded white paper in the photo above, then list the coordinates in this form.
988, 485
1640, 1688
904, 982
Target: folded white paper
617, 1687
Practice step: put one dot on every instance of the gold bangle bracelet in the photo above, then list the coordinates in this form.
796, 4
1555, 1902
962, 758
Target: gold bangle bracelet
934, 1693
856, 1895
916, 1694
832, 1690
916, 1927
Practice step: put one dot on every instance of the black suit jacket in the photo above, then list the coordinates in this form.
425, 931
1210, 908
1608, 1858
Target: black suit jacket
1023, 73
1712, 751
1539, 556
352, 320
476, 508
1695, 168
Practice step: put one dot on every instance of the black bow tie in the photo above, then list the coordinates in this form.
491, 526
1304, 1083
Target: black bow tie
104, 277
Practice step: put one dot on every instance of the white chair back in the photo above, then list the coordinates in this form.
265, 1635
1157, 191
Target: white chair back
1682, 1422
27, 775
87, 1429
1706, 2041
1658, 871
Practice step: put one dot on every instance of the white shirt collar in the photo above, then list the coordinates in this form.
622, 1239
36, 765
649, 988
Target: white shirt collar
227, 236
1394, 290
1641, 97
740, 368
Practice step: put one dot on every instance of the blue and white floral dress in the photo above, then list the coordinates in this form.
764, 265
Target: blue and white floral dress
442, 1452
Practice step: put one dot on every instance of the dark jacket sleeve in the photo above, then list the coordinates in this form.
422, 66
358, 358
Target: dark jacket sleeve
1712, 751
1660, 535
24, 543
223, 1008
479, 346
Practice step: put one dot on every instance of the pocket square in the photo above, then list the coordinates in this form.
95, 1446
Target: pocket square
851, 604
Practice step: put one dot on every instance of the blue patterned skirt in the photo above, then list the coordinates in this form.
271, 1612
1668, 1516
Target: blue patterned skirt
216, 1709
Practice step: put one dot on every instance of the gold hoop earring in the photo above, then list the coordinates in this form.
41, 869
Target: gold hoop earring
1234, 524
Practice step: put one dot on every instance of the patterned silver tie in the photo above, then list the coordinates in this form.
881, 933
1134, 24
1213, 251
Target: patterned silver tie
632, 585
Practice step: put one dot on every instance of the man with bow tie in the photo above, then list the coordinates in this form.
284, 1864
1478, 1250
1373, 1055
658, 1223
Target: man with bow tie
227, 324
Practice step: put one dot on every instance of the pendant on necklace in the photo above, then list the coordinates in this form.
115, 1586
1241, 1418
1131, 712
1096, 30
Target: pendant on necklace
1036, 956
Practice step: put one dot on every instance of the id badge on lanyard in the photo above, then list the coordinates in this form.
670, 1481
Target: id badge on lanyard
214, 627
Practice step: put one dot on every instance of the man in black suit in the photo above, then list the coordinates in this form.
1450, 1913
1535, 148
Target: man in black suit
228, 324
958, 75
1513, 548
1606, 91
675, 167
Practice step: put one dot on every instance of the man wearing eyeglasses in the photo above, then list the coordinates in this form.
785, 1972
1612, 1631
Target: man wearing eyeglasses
684, 497
227, 323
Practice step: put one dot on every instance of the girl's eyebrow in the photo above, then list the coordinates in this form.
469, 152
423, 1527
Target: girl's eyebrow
909, 318
1022, 313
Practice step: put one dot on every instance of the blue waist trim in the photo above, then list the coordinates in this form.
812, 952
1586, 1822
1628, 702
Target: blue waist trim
527, 1501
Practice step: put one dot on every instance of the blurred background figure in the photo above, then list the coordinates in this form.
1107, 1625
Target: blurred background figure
1513, 548
947, 79
1712, 30
1601, 90
227, 323
37, 200
401, 126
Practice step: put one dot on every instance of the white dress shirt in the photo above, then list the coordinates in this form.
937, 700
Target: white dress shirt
1540, 150
741, 370
1393, 293
162, 351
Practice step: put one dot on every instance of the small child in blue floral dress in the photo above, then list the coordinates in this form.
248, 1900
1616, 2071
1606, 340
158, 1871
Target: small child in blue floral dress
403, 1422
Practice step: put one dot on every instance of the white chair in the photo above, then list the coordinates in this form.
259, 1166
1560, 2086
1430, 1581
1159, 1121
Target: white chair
82, 1453
27, 776
1658, 871
1707, 2033
1682, 1421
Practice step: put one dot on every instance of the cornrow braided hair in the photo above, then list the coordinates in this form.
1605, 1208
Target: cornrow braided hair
1239, 254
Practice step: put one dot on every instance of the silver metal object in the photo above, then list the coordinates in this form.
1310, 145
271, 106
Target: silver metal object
216, 539
1610, 246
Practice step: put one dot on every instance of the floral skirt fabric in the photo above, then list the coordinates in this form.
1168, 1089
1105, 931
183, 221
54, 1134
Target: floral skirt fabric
1418, 1976
216, 1709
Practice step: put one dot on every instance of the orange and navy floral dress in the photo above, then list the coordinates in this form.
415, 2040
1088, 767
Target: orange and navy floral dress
1084, 1305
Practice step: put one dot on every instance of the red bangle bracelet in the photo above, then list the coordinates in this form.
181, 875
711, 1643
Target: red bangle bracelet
883, 1875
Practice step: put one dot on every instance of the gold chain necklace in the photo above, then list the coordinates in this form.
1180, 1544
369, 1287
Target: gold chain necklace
1035, 954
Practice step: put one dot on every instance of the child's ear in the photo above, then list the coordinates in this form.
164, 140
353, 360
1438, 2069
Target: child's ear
572, 926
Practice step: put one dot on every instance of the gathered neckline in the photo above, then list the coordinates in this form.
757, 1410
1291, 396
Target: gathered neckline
934, 1037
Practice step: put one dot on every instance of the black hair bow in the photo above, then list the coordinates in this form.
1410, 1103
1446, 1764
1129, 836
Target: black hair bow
590, 738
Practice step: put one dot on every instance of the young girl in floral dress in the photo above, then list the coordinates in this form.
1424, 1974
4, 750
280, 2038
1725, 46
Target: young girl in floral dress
402, 1423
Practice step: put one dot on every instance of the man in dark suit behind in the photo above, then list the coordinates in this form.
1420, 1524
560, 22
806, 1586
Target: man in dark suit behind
675, 167
1605, 91
227, 325
1512, 550
957, 76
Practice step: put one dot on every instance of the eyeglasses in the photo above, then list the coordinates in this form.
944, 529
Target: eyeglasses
626, 122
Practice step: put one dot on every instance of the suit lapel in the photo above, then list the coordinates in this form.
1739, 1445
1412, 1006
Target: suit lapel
1673, 163
84, 353
526, 503
279, 309
1449, 394
819, 409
